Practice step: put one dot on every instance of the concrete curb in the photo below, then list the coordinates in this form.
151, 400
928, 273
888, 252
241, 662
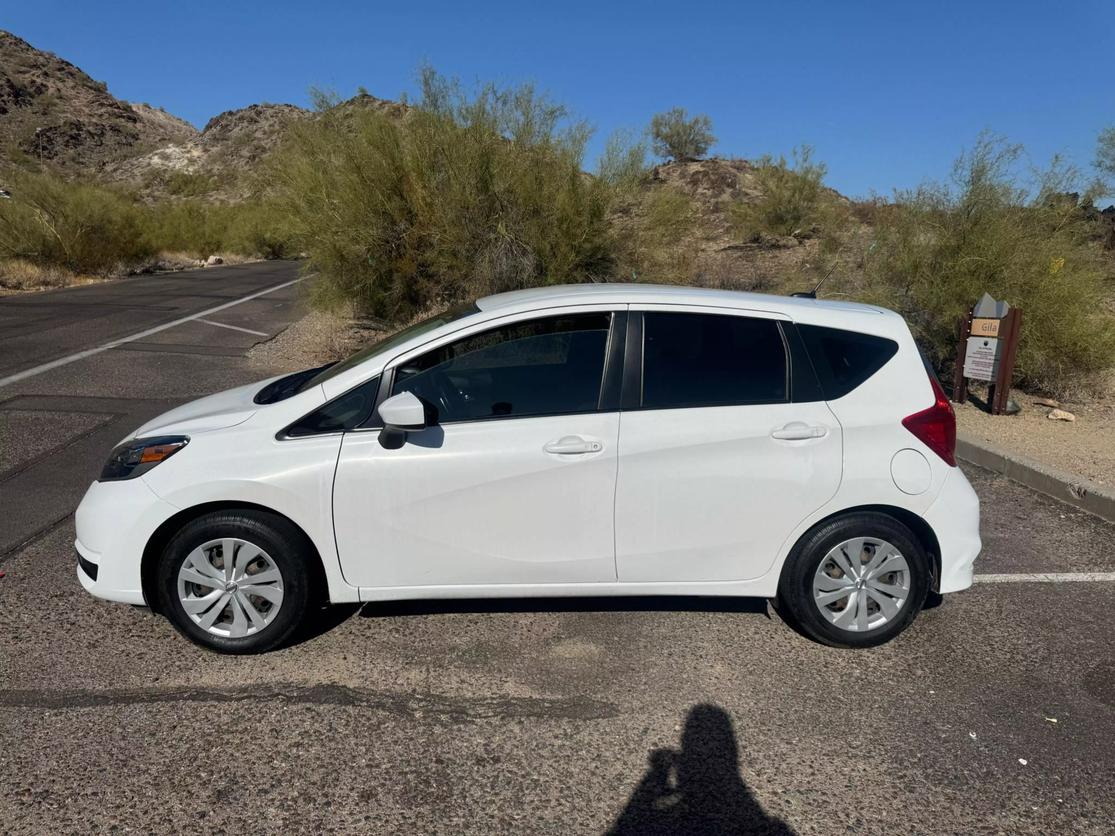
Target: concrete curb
1059, 484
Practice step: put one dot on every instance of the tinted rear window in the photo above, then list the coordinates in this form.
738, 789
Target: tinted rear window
845, 359
692, 360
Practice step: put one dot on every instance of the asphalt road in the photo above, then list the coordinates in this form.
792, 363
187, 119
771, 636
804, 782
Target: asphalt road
995, 713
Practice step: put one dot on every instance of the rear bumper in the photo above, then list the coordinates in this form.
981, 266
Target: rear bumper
954, 518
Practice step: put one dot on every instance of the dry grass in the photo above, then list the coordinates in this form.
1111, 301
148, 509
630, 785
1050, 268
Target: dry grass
17, 274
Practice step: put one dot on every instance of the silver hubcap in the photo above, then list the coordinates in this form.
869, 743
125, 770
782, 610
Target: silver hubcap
230, 587
862, 584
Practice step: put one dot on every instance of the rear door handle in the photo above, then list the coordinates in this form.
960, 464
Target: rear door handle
573, 445
797, 431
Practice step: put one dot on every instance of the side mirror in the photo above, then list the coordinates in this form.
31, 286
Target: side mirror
403, 412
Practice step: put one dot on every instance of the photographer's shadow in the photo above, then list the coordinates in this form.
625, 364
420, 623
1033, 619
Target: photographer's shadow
697, 789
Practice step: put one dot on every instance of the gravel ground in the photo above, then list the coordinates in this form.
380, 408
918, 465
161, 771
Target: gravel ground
318, 337
1085, 447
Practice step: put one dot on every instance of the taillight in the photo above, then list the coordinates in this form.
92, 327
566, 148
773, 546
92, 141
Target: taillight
935, 427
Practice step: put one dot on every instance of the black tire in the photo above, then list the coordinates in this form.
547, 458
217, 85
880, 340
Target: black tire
287, 547
795, 589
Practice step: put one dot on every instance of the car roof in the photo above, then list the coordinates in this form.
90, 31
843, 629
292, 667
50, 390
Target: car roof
630, 293
838, 314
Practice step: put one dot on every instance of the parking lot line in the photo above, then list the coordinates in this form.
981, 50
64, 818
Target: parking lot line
233, 327
1046, 577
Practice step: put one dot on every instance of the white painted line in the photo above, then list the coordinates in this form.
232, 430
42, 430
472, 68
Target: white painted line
235, 328
89, 352
1046, 577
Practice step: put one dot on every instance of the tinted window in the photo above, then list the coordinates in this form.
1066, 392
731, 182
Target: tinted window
845, 359
346, 412
387, 343
540, 367
710, 360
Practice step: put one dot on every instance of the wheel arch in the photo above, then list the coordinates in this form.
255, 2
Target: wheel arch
917, 524
169, 527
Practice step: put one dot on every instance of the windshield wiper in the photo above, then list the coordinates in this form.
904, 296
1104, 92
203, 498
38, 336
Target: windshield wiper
285, 387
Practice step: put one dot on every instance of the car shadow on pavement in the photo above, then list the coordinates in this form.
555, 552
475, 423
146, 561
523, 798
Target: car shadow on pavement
697, 789
621, 603
328, 617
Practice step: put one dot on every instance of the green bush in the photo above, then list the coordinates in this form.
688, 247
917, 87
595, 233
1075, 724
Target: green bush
92, 229
81, 227
674, 135
623, 164
468, 194
943, 246
792, 201
188, 184
654, 240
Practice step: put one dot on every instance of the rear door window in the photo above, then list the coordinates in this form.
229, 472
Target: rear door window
698, 359
845, 359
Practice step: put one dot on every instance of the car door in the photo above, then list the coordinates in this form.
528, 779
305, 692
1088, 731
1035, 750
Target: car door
514, 480
717, 464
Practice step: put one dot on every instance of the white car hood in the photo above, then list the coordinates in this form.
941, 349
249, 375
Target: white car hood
214, 412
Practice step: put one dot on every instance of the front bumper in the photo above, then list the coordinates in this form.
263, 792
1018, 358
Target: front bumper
114, 521
954, 518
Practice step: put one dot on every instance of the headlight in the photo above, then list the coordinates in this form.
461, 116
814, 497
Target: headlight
134, 458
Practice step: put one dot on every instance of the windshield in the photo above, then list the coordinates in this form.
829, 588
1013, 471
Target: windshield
387, 343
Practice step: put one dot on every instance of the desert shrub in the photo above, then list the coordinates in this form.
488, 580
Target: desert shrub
81, 227
260, 228
993, 230
188, 184
674, 135
189, 226
792, 202
52, 227
19, 274
1105, 152
623, 163
654, 236
255, 228
468, 194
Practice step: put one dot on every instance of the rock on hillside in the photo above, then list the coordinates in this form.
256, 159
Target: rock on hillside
166, 126
50, 108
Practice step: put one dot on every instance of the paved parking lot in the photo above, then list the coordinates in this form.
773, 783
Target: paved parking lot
995, 713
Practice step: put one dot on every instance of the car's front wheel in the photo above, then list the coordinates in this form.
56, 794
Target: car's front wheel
236, 581
855, 581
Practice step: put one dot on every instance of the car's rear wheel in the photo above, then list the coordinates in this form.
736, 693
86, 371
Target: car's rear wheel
855, 581
236, 581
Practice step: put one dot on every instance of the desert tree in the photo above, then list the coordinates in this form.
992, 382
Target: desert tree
676, 136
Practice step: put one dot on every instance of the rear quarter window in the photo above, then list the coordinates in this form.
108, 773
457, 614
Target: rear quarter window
845, 359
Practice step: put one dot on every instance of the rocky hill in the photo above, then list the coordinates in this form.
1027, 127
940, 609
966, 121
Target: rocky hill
53, 114
216, 162
51, 111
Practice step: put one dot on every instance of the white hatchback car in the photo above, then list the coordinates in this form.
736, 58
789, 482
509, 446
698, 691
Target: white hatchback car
601, 439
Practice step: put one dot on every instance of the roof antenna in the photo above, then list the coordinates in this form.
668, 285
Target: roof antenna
812, 294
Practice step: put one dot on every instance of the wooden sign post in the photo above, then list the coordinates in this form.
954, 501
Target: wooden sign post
988, 345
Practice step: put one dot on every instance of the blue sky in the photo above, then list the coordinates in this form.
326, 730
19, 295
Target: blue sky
887, 92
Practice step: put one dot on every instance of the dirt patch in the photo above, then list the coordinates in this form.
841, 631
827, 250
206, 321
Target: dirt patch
319, 337
1085, 447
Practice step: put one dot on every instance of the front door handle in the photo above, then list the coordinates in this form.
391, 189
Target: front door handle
573, 445
797, 431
